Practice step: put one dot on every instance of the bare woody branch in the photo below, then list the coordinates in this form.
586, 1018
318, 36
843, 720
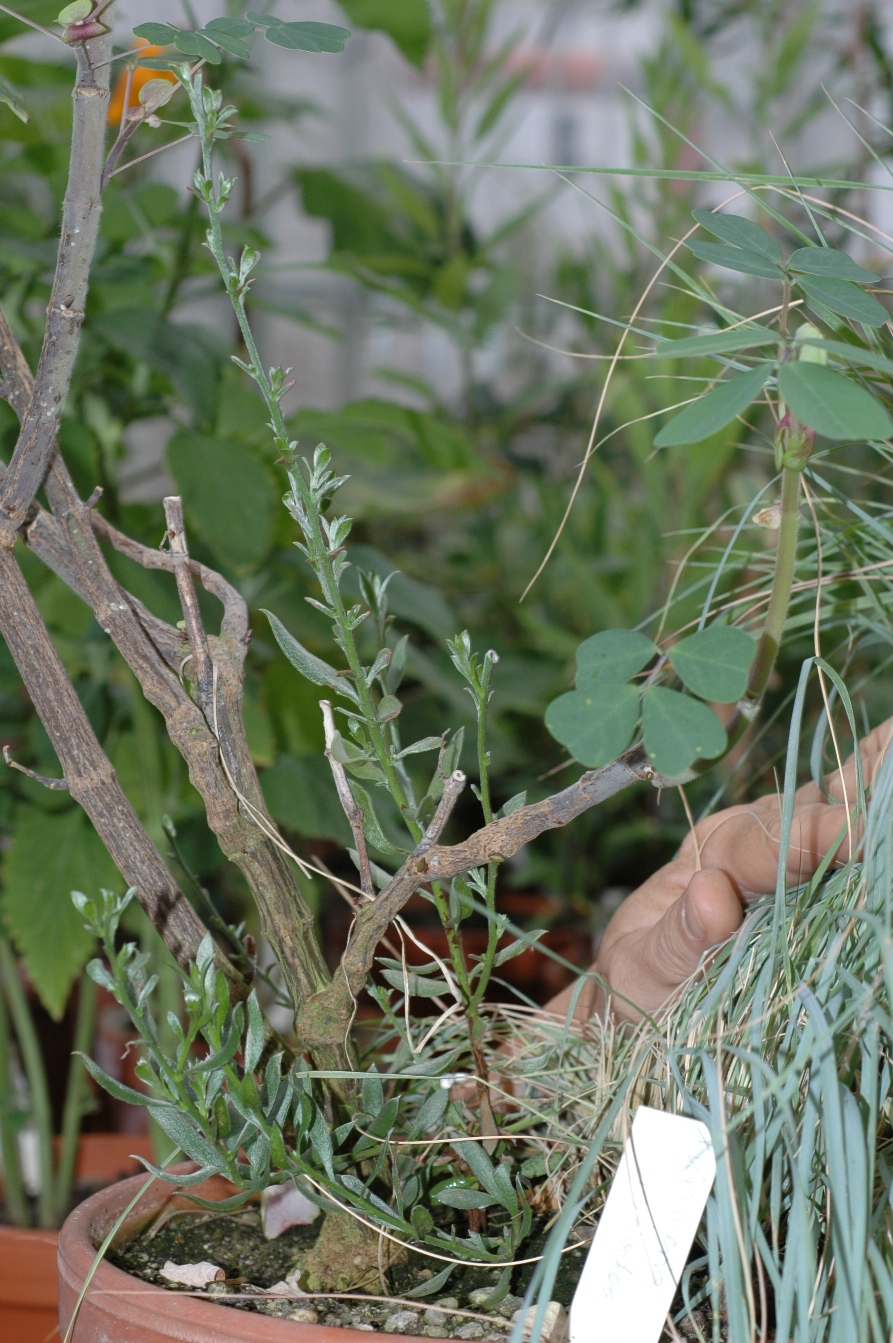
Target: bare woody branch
65, 314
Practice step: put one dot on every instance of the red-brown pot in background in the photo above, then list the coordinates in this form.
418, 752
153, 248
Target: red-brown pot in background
29, 1291
124, 1309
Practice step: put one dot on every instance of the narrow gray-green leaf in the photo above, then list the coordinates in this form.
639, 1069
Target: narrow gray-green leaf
595, 725
714, 663
829, 262
417, 986
10, 96
614, 655
371, 824
740, 232
718, 342
832, 403
715, 410
735, 258
679, 730
844, 298
307, 663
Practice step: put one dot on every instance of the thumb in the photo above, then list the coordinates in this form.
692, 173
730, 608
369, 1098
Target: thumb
708, 912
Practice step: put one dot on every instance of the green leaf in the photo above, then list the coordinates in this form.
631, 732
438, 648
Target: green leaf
831, 403
314, 37
417, 986
614, 655
372, 826
715, 410
158, 34
846, 299
740, 232
718, 342
855, 354
229, 42
115, 1088
373, 1092
180, 1131
228, 495
230, 27
596, 725
458, 1197
50, 855
735, 258
714, 663
679, 730
10, 96
829, 262
307, 663
254, 1036
194, 44
75, 12
407, 23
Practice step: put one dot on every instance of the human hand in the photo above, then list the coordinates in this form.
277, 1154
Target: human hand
659, 935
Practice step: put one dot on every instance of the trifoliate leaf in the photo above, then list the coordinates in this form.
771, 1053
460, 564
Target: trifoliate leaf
679, 730
832, 403
596, 724
828, 261
714, 663
740, 232
715, 410
844, 298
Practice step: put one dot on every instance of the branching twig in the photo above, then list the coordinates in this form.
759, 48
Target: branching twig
195, 630
57, 785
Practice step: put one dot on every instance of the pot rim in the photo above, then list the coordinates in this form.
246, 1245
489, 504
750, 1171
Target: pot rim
120, 1306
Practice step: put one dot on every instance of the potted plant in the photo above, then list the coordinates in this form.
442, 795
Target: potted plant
238, 1099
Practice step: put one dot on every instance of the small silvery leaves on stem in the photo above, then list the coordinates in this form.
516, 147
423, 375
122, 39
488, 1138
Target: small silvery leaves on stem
597, 720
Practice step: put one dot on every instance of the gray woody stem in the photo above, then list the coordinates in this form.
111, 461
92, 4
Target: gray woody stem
348, 802
65, 314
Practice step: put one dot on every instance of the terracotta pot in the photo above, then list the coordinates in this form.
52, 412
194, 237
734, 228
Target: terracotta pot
119, 1308
29, 1302
29, 1309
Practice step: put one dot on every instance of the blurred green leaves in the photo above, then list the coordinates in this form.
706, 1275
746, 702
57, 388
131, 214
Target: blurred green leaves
407, 23
51, 854
228, 493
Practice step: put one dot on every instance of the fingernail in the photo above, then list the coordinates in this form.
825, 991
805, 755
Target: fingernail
691, 920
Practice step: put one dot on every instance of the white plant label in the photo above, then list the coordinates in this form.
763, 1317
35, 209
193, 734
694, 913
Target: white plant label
646, 1230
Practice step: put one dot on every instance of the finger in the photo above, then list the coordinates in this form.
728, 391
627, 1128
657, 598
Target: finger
646, 968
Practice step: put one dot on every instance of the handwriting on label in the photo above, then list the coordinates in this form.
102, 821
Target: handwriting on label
646, 1230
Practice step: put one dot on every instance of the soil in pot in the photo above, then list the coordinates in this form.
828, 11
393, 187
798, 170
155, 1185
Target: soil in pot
253, 1266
